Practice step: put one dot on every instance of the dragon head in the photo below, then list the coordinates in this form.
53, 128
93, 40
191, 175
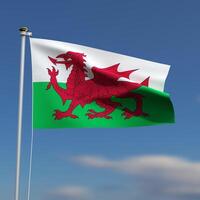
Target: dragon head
69, 59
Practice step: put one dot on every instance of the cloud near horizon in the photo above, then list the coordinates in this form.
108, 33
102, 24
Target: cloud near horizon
71, 192
157, 176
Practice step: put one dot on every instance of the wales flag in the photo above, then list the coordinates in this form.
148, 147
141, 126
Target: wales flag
77, 86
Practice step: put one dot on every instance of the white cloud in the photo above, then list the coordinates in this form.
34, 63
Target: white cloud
93, 161
163, 175
72, 192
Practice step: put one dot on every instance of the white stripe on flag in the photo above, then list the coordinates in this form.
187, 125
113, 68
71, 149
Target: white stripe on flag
42, 48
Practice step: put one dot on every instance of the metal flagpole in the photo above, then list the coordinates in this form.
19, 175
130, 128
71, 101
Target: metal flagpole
23, 32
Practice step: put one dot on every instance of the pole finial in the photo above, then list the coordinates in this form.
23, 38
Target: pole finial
23, 29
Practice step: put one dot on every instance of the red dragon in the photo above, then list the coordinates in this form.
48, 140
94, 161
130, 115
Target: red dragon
100, 88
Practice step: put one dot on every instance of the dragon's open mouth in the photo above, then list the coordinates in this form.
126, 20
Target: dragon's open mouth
69, 59
66, 61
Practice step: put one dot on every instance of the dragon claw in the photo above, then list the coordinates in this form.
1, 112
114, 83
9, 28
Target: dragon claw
48, 86
59, 115
107, 117
93, 114
90, 116
92, 111
53, 72
129, 114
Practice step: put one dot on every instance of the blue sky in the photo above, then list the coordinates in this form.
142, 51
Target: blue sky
160, 162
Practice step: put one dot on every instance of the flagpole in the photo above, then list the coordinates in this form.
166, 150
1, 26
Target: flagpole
23, 32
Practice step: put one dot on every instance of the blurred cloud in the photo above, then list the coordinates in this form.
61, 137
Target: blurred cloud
157, 176
70, 192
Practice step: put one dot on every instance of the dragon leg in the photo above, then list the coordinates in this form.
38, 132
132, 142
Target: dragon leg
109, 107
139, 106
64, 95
59, 114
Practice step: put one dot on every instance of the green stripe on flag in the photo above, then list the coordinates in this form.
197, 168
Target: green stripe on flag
157, 104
